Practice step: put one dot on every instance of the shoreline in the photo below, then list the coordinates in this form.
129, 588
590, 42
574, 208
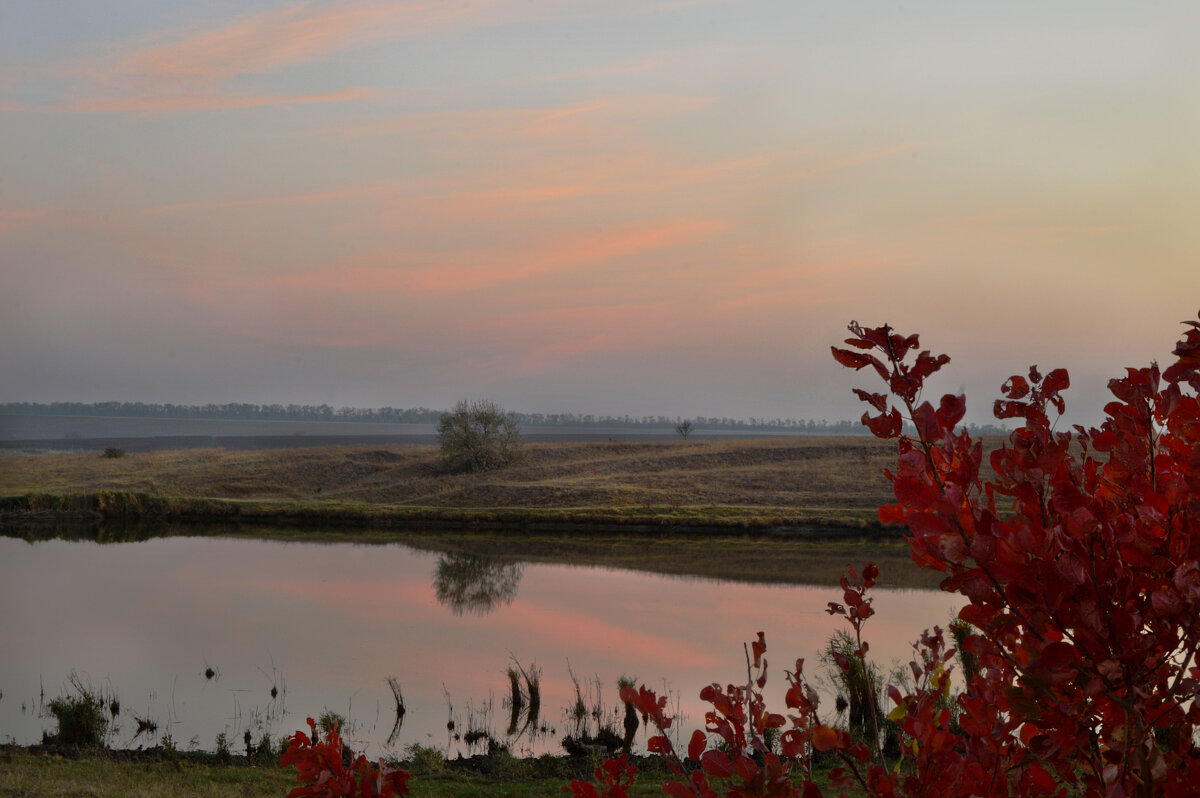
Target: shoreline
130, 506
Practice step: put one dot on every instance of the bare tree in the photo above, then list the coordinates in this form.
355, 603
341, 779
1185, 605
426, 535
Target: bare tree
684, 428
478, 436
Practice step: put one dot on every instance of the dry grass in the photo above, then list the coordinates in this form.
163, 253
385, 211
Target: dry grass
794, 481
832, 476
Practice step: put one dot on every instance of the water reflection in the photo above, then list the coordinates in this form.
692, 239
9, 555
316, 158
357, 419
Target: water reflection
197, 634
468, 583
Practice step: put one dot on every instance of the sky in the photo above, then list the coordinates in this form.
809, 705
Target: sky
616, 207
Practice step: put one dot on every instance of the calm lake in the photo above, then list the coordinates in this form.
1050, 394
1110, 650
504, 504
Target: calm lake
207, 635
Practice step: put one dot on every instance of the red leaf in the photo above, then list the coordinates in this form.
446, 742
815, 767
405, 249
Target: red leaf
853, 360
927, 364
716, 763
886, 425
759, 647
870, 574
1015, 387
658, 745
677, 790
824, 738
925, 419
1055, 381
583, 789
927, 524
875, 400
1028, 732
951, 410
1040, 779
697, 745
746, 769
1058, 656
791, 743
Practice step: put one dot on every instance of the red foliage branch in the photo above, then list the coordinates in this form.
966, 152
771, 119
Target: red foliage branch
1081, 562
323, 775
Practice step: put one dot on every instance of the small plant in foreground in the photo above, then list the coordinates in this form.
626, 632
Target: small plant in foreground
330, 720
424, 760
223, 752
322, 774
112, 453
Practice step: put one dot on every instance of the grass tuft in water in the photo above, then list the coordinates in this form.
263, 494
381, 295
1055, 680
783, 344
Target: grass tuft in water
80, 717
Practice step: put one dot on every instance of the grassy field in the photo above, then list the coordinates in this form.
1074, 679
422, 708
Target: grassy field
795, 482
28, 774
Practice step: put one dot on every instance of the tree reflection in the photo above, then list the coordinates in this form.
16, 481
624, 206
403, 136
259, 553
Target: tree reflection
475, 585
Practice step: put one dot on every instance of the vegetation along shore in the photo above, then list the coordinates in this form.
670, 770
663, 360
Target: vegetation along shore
784, 485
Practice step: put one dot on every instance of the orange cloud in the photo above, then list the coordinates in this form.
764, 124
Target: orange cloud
470, 270
297, 34
187, 70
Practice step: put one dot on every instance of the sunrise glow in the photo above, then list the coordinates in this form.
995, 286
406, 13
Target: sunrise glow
591, 207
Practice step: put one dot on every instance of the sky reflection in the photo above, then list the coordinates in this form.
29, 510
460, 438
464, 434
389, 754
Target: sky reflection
327, 624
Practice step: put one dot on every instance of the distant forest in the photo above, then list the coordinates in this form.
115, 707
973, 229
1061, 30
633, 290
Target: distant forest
425, 415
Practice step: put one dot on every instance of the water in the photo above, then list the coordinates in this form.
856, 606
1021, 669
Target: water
209, 635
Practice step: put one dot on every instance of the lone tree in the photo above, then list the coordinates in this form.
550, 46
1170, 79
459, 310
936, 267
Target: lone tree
478, 436
684, 428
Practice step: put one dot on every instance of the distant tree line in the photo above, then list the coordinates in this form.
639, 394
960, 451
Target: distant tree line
425, 415
231, 410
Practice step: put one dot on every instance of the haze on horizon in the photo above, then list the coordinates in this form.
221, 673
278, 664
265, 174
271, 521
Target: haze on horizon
623, 207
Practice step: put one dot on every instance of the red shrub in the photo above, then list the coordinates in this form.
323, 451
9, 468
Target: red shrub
1080, 561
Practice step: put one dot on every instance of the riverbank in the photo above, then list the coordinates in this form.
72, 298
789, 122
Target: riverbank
39, 773
117, 774
793, 485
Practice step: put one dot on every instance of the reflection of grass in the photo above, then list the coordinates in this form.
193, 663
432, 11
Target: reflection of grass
753, 483
790, 559
760, 559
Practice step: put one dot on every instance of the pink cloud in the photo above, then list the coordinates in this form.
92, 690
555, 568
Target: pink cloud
188, 70
297, 34
372, 191
15, 218
470, 270
603, 637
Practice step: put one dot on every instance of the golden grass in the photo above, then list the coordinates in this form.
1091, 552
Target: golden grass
813, 474
759, 483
